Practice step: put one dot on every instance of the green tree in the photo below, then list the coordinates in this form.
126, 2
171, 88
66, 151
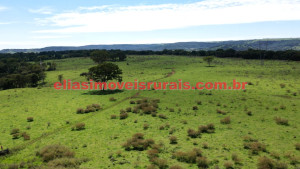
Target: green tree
104, 72
208, 59
100, 56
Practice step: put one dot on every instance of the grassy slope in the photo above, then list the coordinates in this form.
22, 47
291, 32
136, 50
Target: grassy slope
103, 135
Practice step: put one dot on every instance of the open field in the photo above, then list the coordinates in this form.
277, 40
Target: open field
274, 91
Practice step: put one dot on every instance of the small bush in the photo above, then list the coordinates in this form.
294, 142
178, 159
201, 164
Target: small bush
297, 146
128, 109
113, 116
173, 140
16, 136
202, 162
236, 158
184, 121
26, 136
96, 106
132, 102
282, 85
161, 127
275, 155
221, 112
226, 120
171, 110
79, 126
80, 111
249, 113
282, 107
265, 163
112, 99
137, 142
195, 107
15, 131
153, 114
255, 147
152, 153
123, 116
162, 116
161, 163
13, 166
146, 126
205, 145
52, 152
188, 157
228, 165
29, 119
175, 167
281, 121
199, 102
193, 133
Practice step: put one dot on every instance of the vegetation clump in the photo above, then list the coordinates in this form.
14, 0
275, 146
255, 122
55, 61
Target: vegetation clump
29, 119
281, 121
137, 142
226, 120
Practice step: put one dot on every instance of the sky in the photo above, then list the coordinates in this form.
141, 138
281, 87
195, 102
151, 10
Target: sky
41, 23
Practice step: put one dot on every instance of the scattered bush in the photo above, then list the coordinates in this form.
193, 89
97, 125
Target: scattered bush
79, 126
113, 116
112, 99
202, 162
173, 140
255, 147
15, 131
267, 163
132, 102
282, 107
137, 142
226, 120
275, 155
236, 158
199, 102
80, 111
128, 109
123, 116
205, 145
188, 157
26, 136
249, 113
193, 133
161, 163
184, 121
171, 110
96, 106
195, 107
146, 126
297, 146
221, 112
281, 121
16, 136
282, 85
13, 166
29, 119
175, 167
152, 153
228, 165
52, 152
162, 116
161, 127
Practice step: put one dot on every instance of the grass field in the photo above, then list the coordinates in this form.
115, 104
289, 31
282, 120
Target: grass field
274, 92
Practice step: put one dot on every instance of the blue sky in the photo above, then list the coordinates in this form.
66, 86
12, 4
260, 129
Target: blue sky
36, 23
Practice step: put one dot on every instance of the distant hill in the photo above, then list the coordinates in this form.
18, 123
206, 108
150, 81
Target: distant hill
270, 44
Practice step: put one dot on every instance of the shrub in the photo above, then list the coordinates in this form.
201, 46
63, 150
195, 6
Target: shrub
297, 146
65, 163
209, 128
265, 163
128, 109
122, 111
221, 112
236, 158
153, 114
96, 106
195, 107
112, 99
202, 162
161, 163
282, 107
171, 110
226, 120
29, 119
15, 131
173, 140
151, 167
28, 127
79, 126
249, 113
146, 126
282, 85
199, 102
123, 116
137, 142
26, 136
132, 102
193, 133
161, 127
16, 136
275, 155
184, 121
255, 147
162, 116
175, 167
152, 153
205, 145
52, 152
135, 110
113, 116
188, 157
228, 165
281, 121
80, 111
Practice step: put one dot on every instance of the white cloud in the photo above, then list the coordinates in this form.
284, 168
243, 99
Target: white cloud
3, 8
43, 10
171, 16
5, 23
50, 37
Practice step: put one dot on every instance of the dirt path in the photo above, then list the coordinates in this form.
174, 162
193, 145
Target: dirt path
23, 146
